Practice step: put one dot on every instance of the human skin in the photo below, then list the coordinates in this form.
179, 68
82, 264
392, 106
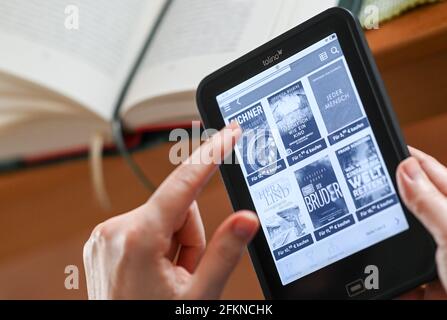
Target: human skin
158, 250
422, 183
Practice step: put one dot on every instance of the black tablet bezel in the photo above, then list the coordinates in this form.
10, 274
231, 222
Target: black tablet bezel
401, 266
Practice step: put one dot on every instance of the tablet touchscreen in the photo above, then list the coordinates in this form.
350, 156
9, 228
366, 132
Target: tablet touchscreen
311, 161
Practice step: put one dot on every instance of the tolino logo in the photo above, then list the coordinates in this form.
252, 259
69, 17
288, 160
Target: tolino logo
269, 60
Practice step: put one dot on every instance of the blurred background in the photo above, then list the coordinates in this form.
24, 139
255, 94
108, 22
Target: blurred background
57, 182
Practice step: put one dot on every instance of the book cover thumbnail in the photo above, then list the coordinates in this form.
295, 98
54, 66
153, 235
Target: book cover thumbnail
257, 145
335, 96
278, 212
363, 172
285, 227
321, 191
294, 117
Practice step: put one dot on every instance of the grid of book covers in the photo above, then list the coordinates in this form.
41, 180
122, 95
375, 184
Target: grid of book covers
311, 162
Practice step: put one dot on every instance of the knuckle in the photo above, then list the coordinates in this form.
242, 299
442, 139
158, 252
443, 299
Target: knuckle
138, 239
419, 203
101, 232
158, 243
133, 238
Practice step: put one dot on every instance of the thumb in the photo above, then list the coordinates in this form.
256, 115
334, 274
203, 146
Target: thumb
421, 196
223, 253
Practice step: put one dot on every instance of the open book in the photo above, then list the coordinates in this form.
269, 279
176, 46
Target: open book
59, 87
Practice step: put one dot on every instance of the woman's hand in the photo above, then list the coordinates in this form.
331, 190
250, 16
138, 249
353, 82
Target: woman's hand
157, 251
422, 183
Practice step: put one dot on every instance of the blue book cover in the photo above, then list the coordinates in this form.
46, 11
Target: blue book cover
335, 96
294, 118
364, 172
257, 145
321, 191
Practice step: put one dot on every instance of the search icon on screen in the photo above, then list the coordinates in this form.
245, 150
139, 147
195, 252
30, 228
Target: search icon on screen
334, 50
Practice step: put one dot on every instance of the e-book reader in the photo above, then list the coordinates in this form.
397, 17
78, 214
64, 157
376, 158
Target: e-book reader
316, 162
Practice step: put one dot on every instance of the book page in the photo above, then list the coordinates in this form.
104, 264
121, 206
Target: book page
299, 11
198, 36
86, 59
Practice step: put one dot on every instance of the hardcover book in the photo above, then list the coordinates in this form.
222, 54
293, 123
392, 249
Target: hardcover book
61, 84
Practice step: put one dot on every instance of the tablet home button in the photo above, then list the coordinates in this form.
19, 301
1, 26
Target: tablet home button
355, 288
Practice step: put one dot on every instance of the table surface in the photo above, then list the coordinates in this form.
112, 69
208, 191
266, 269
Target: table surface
47, 213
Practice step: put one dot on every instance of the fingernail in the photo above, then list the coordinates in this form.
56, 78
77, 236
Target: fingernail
412, 169
245, 227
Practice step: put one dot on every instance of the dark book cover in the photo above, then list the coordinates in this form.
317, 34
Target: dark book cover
321, 191
335, 96
257, 145
294, 118
364, 172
